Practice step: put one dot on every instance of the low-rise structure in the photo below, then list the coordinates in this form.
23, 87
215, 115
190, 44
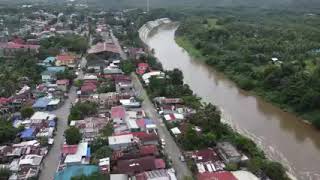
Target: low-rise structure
120, 142
228, 152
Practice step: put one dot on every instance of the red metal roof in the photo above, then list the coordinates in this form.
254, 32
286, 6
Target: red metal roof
118, 112
160, 164
4, 100
221, 175
65, 57
69, 149
63, 82
13, 45
205, 155
148, 150
134, 166
141, 123
103, 47
88, 87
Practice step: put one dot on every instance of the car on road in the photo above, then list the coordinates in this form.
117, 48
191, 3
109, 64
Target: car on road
182, 158
163, 143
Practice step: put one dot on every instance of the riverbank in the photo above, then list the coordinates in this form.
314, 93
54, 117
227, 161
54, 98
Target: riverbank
251, 60
258, 159
308, 117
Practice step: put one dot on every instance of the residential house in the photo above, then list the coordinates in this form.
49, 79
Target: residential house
147, 76
163, 174
118, 114
63, 84
48, 76
228, 152
81, 156
112, 71
119, 177
120, 142
28, 134
142, 68
220, 175
88, 89
65, 60
105, 50
90, 127
104, 165
139, 165
49, 61
207, 160
244, 175
12, 48
146, 138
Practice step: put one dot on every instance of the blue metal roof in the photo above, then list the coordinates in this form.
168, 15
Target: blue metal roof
56, 69
41, 102
148, 121
49, 59
88, 152
27, 133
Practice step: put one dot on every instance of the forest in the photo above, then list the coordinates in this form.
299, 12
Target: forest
271, 53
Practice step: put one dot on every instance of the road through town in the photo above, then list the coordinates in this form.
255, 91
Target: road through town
51, 161
171, 148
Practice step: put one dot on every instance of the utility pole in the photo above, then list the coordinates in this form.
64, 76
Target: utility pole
148, 4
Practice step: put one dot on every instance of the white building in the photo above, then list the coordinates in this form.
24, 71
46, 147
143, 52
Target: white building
80, 157
120, 142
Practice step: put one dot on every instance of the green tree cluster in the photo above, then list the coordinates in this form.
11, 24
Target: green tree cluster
73, 135
82, 109
14, 72
93, 176
243, 47
26, 112
7, 131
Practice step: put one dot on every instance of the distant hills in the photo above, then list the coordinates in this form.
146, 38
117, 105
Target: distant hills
296, 4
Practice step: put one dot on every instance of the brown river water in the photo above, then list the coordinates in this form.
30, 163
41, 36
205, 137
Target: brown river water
283, 136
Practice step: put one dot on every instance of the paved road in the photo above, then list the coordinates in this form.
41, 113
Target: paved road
51, 161
116, 42
171, 148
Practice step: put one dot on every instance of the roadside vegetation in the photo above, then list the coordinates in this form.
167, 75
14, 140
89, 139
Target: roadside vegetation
82, 109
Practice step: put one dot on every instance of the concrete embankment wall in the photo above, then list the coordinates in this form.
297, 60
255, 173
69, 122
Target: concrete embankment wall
148, 28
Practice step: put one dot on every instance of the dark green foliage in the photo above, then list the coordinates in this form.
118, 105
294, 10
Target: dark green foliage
74, 43
26, 112
83, 109
67, 74
242, 47
93, 176
73, 135
5, 173
127, 66
171, 86
102, 152
12, 71
106, 86
7, 131
107, 130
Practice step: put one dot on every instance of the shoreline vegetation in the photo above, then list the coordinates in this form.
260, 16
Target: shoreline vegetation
286, 82
208, 118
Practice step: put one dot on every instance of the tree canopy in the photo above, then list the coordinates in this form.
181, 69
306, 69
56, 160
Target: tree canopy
73, 135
